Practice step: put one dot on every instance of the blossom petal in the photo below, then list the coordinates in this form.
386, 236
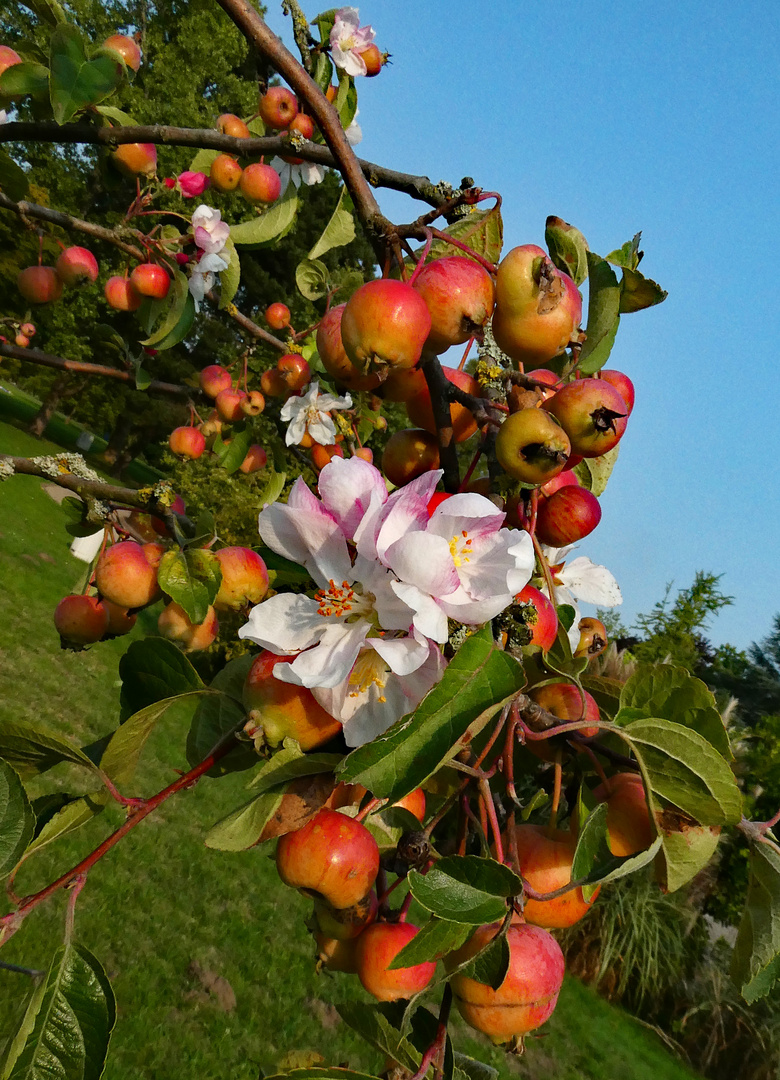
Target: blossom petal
305, 532
591, 583
346, 486
285, 623
425, 561
429, 618
330, 661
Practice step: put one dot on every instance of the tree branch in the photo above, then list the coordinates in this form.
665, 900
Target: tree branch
143, 498
67, 221
417, 187
36, 356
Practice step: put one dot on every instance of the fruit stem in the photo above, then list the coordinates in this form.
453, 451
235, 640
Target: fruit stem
435, 1051
423, 256
556, 799
489, 266
477, 455
404, 909
546, 572
465, 356
490, 807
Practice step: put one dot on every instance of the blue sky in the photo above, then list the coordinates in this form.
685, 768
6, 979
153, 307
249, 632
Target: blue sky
624, 117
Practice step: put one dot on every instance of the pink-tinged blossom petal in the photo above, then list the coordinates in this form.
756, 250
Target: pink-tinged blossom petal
285, 623
306, 533
425, 561
348, 40
402, 655
498, 564
378, 581
346, 486
429, 618
406, 510
331, 660
467, 512
192, 184
464, 609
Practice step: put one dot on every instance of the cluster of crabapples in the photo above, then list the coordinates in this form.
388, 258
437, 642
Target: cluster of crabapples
22, 333
126, 579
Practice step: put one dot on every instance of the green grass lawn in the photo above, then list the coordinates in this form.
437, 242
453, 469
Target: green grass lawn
161, 900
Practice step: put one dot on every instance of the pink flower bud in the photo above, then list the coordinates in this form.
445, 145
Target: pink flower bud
181, 258
169, 182
192, 184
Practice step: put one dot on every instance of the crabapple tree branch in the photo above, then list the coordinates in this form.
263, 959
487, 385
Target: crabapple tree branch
77, 367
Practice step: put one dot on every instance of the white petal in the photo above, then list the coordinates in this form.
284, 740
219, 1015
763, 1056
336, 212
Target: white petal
461, 607
591, 583
304, 532
311, 173
286, 623
425, 561
346, 486
402, 655
330, 661
322, 430
429, 618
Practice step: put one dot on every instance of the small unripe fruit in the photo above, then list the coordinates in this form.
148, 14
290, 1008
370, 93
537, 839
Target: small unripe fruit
254, 403
256, 458
278, 107
244, 578
373, 59
152, 280
334, 359
332, 857
284, 710
545, 859
228, 403
80, 620
175, 624
377, 947
260, 184
213, 379
39, 284
121, 294
230, 124
77, 264
8, 57
135, 159
277, 316
225, 173
592, 413
126, 47
420, 408
187, 442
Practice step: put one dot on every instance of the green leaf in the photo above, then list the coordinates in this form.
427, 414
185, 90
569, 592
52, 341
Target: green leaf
270, 226
230, 455
374, 1023
243, 827
628, 255
229, 279
603, 315
34, 750
272, 489
595, 862
473, 1069
287, 574
112, 113
13, 179
179, 332
152, 670
143, 380
490, 966
68, 1022
340, 230
191, 578
174, 306
755, 965
686, 849
17, 821
670, 691
346, 100
594, 473
437, 938
482, 230
568, 248
475, 686
120, 758
638, 292
323, 71
311, 277
75, 81
21, 80
289, 763
203, 160
64, 817
467, 889
216, 715
685, 770
48, 11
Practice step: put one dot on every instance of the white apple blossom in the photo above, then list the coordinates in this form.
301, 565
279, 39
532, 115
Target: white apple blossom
306, 171
348, 40
211, 233
310, 414
203, 277
354, 132
580, 580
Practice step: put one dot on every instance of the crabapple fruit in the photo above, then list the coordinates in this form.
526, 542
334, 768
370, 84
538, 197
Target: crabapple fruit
80, 620
225, 173
592, 413
532, 447
8, 57
543, 623
125, 573
408, 454
187, 442
254, 403
334, 359
278, 107
120, 620
39, 284
175, 624
230, 124
460, 296
277, 316
333, 858
564, 700
149, 279
569, 514
545, 859
346, 923
420, 409
377, 947
622, 384
121, 294
593, 638
285, 710
529, 993
244, 578
385, 325
76, 264
214, 379
629, 826
322, 455
135, 159
228, 403
256, 459
260, 183
126, 47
